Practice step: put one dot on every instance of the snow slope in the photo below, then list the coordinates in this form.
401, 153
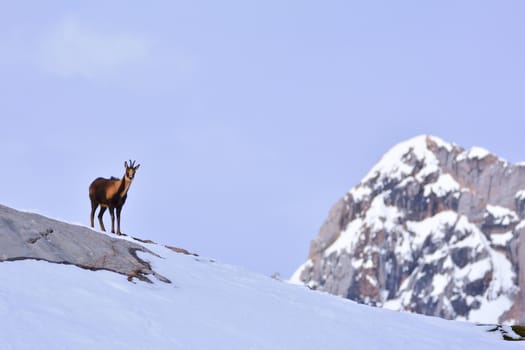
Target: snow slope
209, 305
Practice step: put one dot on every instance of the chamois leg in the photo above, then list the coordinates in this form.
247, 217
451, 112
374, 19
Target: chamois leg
112, 213
119, 209
100, 213
94, 206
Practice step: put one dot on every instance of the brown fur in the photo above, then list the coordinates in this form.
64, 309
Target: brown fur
111, 193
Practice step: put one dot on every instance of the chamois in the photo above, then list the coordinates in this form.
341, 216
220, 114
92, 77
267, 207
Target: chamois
111, 193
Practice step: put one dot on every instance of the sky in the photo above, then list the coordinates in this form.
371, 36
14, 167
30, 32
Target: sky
250, 119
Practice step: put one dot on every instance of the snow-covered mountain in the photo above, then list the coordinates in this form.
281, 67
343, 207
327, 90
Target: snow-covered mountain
432, 228
89, 299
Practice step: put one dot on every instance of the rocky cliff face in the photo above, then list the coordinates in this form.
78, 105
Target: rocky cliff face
433, 229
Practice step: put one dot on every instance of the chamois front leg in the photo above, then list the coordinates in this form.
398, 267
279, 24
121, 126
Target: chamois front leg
119, 209
112, 213
100, 213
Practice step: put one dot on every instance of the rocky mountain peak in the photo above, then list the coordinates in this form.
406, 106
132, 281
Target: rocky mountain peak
432, 228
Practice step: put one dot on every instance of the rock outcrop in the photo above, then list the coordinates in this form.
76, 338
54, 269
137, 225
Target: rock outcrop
433, 229
32, 236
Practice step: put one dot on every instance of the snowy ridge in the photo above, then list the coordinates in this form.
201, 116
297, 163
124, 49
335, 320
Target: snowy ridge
414, 235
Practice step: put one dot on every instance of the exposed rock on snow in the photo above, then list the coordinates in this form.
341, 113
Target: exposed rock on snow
433, 229
32, 236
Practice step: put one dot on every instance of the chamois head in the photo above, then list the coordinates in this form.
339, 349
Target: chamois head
130, 169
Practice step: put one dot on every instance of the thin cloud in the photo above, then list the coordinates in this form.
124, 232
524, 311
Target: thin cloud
74, 50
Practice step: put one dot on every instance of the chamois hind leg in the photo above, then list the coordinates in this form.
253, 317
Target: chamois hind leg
94, 206
119, 209
112, 213
100, 213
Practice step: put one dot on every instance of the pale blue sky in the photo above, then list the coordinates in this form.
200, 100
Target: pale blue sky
250, 118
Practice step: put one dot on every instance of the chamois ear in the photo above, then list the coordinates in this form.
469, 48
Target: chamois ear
126, 164
137, 167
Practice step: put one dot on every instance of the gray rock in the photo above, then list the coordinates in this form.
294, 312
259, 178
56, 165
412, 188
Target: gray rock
32, 236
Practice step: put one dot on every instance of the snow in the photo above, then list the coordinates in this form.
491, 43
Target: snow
439, 283
473, 153
444, 185
503, 276
474, 271
496, 299
501, 239
520, 195
208, 306
520, 226
394, 164
431, 167
510, 332
360, 192
433, 226
348, 238
371, 280
491, 308
296, 277
478, 153
393, 304
381, 216
378, 217
502, 215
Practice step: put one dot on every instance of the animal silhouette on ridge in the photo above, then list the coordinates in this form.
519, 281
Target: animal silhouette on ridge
111, 193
